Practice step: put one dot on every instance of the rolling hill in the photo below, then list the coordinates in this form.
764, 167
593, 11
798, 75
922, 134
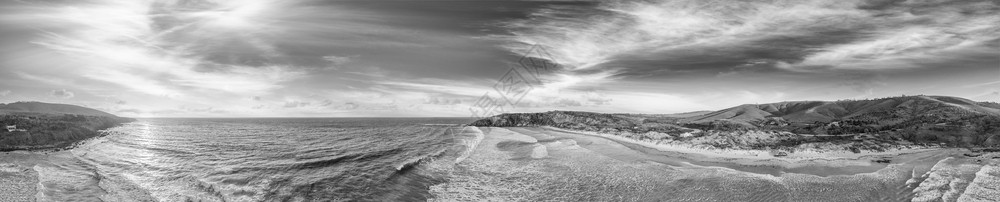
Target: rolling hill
50, 108
873, 124
825, 111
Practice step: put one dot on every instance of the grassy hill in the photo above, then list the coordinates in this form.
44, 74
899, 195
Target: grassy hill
48, 125
49, 108
869, 124
822, 111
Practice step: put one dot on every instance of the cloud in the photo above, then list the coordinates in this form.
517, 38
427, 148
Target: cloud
4, 92
568, 103
211, 110
992, 96
336, 61
184, 51
348, 106
595, 98
443, 101
864, 83
899, 48
794, 35
61, 93
325, 102
436, 86
133, 111
296, 104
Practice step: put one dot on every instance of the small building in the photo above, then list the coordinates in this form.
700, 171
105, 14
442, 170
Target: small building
12, 128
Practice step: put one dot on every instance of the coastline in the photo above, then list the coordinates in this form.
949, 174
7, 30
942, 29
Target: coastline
791, 161
60, 174
55, 132
537, 164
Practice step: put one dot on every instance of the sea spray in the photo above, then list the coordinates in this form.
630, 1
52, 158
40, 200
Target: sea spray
414, 161
468, 138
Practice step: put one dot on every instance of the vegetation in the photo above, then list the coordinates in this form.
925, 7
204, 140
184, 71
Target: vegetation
47, 130
854, 125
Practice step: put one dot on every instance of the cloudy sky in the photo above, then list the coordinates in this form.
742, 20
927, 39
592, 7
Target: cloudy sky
324, 58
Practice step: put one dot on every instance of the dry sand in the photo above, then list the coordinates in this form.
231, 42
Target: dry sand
765, 158
539, 164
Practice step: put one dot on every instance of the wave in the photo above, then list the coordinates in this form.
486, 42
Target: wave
469, 138
323, 163
961, 179
415, 161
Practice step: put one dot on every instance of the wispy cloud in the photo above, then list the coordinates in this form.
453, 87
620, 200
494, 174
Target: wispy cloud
799, 35
431, 58
131, 44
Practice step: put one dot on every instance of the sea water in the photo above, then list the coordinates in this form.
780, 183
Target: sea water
437, 159
299, 159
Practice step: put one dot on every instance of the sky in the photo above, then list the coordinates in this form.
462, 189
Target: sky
418, 58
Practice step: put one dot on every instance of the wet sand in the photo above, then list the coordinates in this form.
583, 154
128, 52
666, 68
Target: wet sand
17, 181
533, 164
832, 163
49, 175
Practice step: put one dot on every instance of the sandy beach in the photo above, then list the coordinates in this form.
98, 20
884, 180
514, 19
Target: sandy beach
802, 160
530, 164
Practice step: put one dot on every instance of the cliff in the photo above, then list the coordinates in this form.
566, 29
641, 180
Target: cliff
45, 125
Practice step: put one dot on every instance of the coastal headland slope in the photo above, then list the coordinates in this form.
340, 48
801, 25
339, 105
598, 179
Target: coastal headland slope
37, 125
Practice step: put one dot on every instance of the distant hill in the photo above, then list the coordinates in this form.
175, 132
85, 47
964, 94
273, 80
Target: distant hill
37, 125
826, 111
50, 108
912, 119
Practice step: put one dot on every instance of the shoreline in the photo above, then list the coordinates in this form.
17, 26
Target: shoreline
795, 160
64, 145
531, 163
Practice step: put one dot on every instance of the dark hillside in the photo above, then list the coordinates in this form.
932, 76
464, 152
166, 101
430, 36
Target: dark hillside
42, 125
50, 108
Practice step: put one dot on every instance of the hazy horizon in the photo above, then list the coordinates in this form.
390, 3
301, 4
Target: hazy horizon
316, 58
473, 116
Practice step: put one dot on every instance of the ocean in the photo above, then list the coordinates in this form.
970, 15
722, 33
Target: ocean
435, 159
263, 159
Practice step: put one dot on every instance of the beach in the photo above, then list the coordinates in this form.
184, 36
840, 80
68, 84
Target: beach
144, 162
791, 161
534, 163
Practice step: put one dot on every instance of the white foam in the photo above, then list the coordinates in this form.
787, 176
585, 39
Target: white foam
985, 187
469, 143
539, 151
